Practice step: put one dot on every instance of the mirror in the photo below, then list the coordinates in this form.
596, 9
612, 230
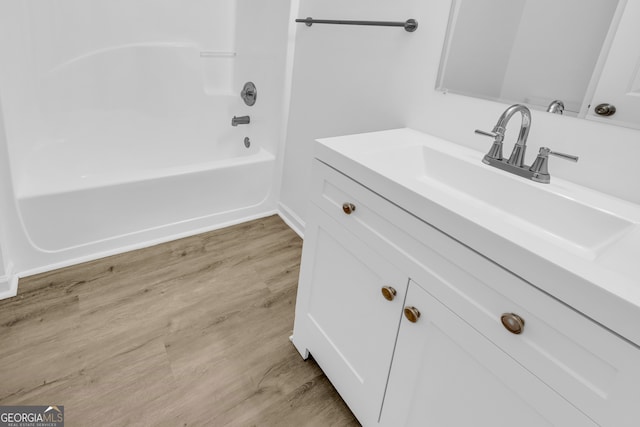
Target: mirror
528, 51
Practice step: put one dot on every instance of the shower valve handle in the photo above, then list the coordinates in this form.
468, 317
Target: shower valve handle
249, 93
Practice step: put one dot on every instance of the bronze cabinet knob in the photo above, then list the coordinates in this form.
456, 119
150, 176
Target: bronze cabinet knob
388, 293
348, 208
412, 314
512, 322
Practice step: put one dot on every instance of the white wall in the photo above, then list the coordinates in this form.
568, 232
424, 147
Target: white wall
357, 79
346, 80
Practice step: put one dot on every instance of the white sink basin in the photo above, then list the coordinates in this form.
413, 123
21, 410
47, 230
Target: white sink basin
575, 218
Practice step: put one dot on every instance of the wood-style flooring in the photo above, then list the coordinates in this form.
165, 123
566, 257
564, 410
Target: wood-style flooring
192, 332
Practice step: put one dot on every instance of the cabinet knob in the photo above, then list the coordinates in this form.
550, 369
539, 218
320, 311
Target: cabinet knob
388, 293
348, 208
412, 314
512, 322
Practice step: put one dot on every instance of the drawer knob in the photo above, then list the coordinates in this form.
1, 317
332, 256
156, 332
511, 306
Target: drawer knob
512, 322
388, 293
412, 314
348, 208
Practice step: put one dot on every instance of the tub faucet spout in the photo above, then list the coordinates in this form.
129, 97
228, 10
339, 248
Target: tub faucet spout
242, 120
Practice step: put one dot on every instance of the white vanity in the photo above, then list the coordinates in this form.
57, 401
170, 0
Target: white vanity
438, 291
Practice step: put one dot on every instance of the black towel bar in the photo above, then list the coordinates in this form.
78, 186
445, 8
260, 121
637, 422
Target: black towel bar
409, 25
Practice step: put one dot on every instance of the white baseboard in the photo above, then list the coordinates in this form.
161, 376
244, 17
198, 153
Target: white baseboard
291, 219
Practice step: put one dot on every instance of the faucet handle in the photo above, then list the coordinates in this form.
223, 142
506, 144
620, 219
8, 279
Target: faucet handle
540, 167
563, 155
495, 152
485, 133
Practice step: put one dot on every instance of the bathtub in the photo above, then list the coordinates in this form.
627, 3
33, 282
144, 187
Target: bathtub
91, 199
140, 154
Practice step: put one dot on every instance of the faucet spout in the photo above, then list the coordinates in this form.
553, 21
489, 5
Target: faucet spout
501, 126
517, 155
556, 107
242, 120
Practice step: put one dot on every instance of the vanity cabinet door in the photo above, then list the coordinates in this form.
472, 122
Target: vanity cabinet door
445, 373
347, 315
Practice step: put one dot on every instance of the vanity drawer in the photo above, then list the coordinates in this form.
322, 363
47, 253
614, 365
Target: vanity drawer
591, 367
354, 206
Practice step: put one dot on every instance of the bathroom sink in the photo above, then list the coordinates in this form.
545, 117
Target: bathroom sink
574, 243
578, 221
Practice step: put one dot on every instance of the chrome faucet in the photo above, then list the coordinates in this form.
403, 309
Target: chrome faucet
242, 120
517, 155
515, 164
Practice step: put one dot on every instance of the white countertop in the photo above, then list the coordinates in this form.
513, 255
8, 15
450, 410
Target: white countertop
589, 258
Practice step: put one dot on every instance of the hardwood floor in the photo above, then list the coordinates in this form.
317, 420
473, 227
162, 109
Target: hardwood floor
192, 332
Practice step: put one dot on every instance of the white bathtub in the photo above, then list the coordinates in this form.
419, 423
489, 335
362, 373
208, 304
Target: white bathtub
140, 154
64, 206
